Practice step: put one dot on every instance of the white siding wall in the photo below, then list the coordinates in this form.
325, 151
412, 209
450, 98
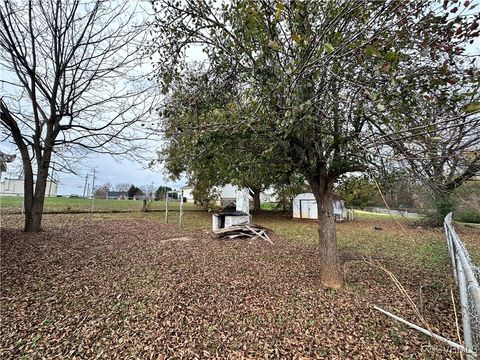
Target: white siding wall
228, 192
14, 187
187, 193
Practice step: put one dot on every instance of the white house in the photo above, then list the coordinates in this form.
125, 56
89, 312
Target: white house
117, 195
228, 194
187, 193
14, 187
305, 207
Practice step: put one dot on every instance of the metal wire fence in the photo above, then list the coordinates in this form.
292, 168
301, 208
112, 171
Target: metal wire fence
467, 276
14, 205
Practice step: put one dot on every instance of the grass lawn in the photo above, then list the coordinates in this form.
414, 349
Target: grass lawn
129, 286
13, 204
395, 239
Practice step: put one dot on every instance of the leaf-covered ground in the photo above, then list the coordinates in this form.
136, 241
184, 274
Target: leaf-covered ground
119, 288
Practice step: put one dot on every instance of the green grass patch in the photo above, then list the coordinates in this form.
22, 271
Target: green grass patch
468, 216
370, 234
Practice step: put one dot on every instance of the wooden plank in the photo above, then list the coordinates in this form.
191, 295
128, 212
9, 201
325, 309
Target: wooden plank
229, 229
235, 228
238, 235
259, 234
268, 237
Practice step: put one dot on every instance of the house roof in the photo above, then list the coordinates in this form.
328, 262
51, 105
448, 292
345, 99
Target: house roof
116, 193
310, 196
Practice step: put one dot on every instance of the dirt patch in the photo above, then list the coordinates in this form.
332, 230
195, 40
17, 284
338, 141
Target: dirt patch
184, 238
152, 290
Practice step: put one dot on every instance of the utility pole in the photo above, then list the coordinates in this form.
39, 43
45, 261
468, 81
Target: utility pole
93, 190
51, 179
85, 186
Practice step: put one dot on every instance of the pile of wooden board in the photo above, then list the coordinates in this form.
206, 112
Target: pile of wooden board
244, 231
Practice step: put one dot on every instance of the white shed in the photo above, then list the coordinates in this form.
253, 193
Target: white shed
305, 207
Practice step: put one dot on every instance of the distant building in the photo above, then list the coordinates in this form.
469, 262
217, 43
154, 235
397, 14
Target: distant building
187, 193
117, 195
305, 207
228, 194
15, 187
269, 195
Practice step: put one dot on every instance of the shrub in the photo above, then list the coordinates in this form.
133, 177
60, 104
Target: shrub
468, 216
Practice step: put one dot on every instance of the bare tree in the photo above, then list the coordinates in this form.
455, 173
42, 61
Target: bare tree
122, 187
148, 190
74, 83
4, 159
102, 190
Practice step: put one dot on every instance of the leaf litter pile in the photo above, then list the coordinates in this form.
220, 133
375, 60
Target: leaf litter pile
118, 289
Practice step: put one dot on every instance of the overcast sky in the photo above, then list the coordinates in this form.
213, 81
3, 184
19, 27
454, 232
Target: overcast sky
109, 170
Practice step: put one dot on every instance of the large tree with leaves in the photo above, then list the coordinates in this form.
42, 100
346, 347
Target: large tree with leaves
202, 144
71, 82
319, 73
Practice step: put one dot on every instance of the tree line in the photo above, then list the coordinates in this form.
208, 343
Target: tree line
130, 191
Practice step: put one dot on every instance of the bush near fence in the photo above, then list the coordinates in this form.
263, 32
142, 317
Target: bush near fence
468, 216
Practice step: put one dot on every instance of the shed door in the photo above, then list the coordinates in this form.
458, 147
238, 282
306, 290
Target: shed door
308, 209
312, 209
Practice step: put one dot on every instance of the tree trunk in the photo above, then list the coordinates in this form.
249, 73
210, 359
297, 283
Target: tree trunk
331, 273
33, 215
34, 207
34, 197
257, 206
443, 204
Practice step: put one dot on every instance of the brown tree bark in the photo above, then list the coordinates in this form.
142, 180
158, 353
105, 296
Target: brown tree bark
33, 215
257, 206
329, 262
34, 194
